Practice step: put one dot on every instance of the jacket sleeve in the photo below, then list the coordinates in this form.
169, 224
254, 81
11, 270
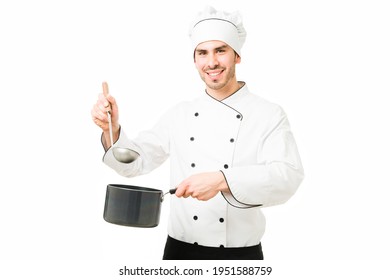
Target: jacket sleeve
152, 145
276, 175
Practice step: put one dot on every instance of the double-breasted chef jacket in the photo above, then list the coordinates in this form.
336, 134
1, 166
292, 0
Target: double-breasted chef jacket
245, 137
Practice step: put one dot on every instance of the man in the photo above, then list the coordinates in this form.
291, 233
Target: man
231, 152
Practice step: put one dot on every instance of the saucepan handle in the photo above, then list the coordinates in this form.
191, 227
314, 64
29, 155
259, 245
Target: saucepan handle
171, 191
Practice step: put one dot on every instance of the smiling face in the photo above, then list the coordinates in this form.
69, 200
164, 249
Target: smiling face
216, 63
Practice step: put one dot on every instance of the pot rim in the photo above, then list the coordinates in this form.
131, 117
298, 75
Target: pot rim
134, 188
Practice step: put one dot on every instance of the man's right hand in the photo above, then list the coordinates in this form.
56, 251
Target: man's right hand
105, 103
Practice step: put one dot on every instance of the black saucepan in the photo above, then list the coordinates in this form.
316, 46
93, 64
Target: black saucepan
133, 206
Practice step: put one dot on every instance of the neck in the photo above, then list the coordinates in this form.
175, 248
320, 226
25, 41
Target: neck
224, 92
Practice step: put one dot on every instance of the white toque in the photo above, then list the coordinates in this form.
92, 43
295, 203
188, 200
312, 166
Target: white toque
213, 25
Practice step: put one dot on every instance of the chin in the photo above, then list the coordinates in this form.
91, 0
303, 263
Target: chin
215, 85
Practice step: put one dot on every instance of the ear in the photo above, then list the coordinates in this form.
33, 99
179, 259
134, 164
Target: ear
238, 59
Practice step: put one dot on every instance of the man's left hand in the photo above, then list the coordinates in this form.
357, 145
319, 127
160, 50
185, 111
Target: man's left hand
202, 186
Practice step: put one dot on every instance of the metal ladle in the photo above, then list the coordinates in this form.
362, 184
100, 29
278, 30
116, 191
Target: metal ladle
123, 155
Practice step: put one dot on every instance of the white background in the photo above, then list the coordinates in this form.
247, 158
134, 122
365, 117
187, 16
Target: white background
326, 63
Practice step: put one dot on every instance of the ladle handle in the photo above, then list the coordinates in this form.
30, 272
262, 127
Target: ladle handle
110, 128
106, 93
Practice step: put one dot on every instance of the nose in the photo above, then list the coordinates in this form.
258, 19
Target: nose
212, 61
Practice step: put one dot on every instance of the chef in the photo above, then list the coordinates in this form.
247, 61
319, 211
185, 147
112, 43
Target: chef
231, 152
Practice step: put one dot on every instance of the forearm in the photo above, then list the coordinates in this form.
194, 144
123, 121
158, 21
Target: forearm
262, 185
151, 155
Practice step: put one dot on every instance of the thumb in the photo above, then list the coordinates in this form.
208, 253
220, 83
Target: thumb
180, 189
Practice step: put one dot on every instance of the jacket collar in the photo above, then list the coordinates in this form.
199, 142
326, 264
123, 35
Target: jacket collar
234, 97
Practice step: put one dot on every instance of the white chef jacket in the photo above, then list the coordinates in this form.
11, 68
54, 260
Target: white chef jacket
244, 136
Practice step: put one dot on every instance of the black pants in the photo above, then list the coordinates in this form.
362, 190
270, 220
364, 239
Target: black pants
178, 250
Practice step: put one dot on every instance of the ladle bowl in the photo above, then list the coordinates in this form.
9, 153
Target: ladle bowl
124, 155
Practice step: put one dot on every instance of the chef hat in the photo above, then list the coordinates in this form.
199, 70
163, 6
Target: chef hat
211, 25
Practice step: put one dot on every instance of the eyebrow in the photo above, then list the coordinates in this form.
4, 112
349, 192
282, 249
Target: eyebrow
216, 49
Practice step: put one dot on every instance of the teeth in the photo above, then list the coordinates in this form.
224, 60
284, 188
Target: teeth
214, 74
